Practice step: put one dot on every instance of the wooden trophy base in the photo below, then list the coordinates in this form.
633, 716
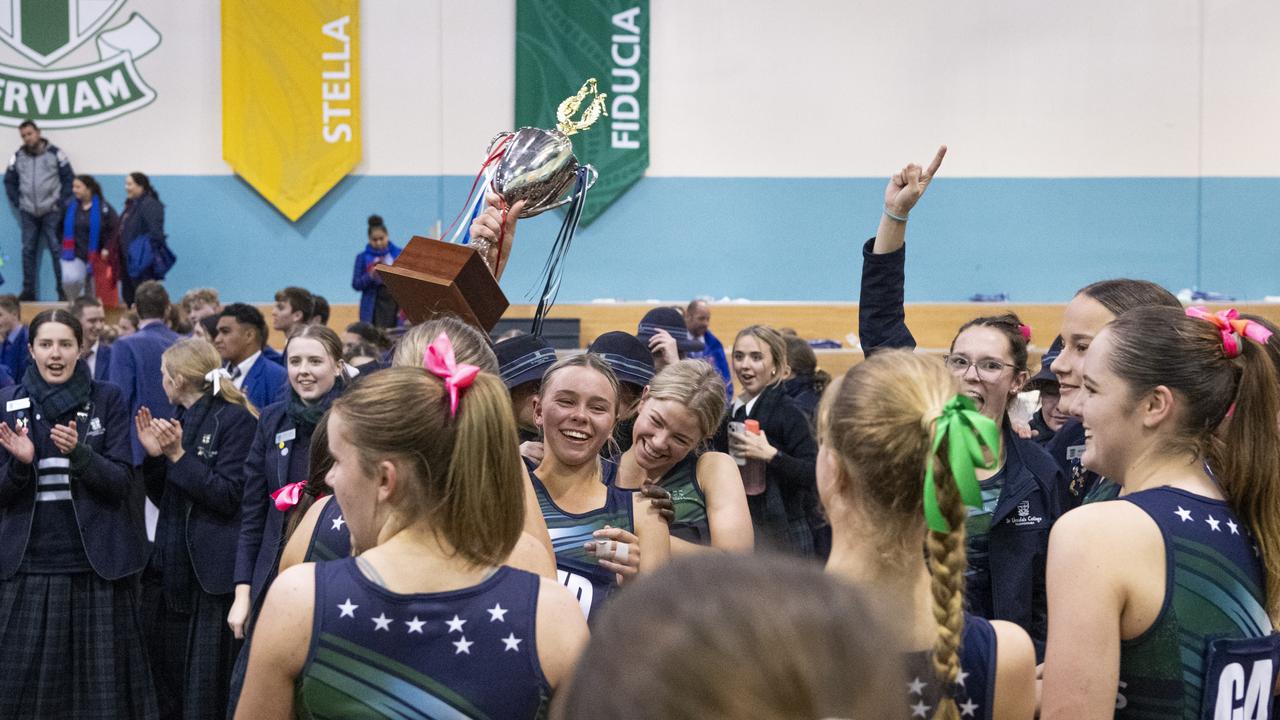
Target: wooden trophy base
431, 278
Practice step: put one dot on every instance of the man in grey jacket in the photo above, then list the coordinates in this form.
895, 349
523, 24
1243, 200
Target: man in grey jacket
39, 185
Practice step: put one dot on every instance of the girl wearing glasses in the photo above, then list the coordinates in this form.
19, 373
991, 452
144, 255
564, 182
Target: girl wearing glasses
1007, 539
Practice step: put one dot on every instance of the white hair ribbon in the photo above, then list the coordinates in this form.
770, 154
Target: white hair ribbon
216, 376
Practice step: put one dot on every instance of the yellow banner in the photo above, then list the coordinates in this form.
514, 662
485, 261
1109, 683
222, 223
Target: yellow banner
291, 96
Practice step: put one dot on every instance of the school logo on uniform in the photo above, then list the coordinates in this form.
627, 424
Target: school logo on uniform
95, 427
1022, 516
45, 32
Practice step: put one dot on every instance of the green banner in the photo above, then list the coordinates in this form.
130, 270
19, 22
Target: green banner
561, 43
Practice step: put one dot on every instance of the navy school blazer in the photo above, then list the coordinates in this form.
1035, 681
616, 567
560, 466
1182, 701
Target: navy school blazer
266, 469
106, 494
210, 476
1019, 548
135, 369
265, 383
102, 368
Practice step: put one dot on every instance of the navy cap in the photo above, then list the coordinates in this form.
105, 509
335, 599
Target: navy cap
1046, 375
669, 319
523, 359
626, 355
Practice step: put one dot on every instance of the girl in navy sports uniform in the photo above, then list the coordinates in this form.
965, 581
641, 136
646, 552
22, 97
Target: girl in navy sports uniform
194, 471
899, 447
1089, 311
596, 529
72, 540
323, 531
1008, 536
1179, 410
679, 410
425, 622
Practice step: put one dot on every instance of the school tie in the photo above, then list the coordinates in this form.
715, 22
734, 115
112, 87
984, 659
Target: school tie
235, 372
740, 414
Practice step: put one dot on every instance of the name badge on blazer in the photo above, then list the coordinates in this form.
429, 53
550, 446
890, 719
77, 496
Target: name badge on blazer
286, 436
19, 404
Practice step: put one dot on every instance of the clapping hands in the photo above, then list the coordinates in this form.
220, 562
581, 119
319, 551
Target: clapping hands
158, 435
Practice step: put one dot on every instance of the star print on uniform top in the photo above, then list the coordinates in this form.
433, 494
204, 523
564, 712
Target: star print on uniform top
968, 708
348, 610
434, 654
915, 687
1234, 528
497, 614
920, 709
1214, 523
1184, 514
337, 523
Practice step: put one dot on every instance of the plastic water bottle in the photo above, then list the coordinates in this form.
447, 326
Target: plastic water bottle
752, 470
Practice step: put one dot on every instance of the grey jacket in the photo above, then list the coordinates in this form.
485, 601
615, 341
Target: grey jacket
39, 183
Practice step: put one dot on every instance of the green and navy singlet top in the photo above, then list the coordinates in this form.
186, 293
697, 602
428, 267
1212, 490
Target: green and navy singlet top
466, 653
1211, 653
690, 502
975, 686
577, 569
330, 538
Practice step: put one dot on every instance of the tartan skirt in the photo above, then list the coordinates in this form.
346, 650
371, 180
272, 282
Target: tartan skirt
191, 653
73, 648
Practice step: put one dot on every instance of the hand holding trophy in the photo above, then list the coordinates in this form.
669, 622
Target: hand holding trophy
525, 173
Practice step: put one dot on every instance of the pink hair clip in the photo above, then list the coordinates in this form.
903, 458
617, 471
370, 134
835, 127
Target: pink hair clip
440, 361
1026, 331
1232, 327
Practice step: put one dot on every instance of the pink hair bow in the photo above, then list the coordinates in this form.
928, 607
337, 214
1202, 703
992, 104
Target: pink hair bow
1233, 328
440, 361
1025, 331
288, 496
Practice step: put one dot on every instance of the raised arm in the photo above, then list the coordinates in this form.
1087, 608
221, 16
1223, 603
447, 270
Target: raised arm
881, 318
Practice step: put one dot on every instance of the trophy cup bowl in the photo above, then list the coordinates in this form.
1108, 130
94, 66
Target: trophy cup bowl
537, 166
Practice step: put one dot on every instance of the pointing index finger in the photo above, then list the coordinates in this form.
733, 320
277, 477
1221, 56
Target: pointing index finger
937, 163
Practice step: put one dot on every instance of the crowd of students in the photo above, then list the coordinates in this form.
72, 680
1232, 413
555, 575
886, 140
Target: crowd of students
448, 526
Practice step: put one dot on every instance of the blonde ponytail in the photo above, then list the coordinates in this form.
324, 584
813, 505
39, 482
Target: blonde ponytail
191, 360
881, 419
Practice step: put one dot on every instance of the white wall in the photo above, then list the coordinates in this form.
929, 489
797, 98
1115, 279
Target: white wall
819, 88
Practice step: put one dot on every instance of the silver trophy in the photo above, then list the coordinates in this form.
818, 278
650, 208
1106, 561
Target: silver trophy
538, 165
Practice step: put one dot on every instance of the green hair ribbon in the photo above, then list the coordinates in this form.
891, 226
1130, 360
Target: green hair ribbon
967, 432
